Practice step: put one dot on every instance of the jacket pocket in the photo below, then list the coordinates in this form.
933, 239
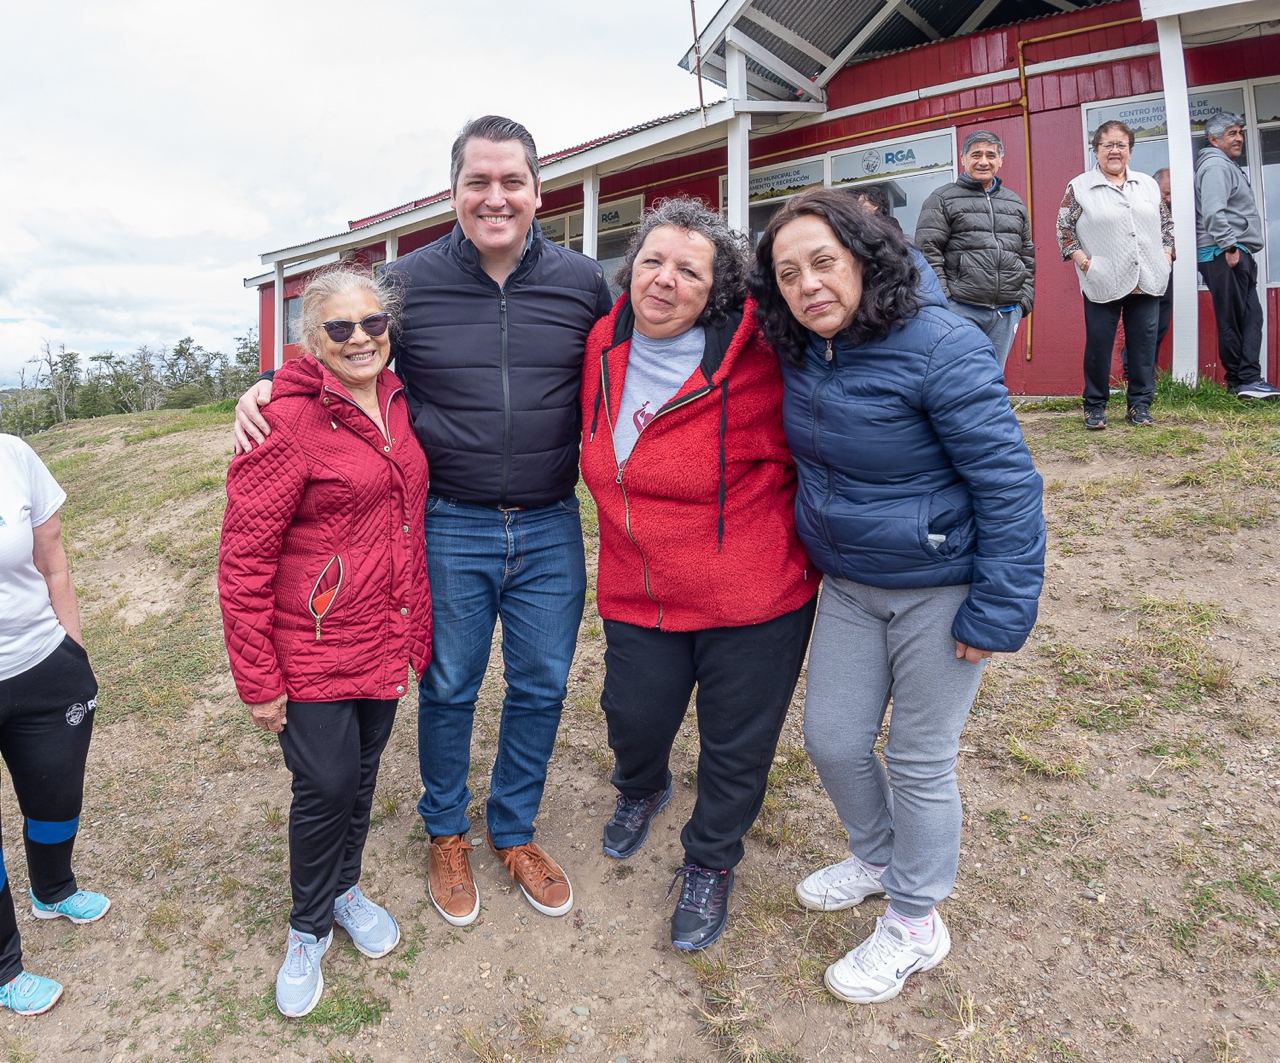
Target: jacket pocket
950, 530
324, 591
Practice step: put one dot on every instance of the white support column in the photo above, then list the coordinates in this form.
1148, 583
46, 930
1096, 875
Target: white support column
277, 353
1186, 297
393, 247
739, 162
590, 212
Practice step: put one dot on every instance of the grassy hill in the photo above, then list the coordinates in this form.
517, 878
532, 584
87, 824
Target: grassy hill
1119, 891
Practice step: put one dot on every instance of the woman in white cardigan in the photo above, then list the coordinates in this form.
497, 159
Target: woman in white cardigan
1118, 231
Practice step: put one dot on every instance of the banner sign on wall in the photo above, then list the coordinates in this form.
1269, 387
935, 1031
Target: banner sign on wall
1147, 117
898, 159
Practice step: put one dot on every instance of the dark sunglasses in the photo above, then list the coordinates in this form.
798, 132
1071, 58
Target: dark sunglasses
374, 326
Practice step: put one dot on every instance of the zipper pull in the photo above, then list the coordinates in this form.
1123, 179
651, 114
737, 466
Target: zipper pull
317, 629
618, 480
829, 353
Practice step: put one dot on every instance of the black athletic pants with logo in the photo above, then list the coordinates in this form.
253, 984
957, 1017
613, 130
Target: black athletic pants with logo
46, 720
333, 749
745, 678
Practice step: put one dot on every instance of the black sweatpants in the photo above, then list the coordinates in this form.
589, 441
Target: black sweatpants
46, 721
1141, 313
333, 749
1238, 314
745, 677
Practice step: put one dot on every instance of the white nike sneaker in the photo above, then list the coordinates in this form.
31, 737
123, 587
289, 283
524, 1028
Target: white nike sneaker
876, 970
839, 886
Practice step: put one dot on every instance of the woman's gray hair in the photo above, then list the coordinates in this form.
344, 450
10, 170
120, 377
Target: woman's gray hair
1220, 122
728, 268
338, 280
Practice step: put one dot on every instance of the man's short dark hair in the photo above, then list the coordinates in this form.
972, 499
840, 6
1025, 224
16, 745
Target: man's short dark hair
495, 128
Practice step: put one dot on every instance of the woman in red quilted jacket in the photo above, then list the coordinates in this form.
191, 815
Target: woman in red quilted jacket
702, 579
323, 583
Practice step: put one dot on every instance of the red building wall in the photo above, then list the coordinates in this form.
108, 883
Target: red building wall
1056, 152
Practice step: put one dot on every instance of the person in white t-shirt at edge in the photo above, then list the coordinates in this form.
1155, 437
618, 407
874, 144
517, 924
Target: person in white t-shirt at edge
48, 694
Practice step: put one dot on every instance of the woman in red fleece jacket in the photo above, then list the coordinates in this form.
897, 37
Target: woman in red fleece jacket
323, 583
702, 581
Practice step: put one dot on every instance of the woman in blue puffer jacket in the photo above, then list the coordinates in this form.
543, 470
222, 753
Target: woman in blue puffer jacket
919, 502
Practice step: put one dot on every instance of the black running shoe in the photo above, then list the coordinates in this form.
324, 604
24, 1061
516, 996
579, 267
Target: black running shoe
1095, 420
627, 830
703, 908
1139, 417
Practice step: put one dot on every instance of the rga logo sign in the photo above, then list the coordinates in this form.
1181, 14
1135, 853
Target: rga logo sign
898, 158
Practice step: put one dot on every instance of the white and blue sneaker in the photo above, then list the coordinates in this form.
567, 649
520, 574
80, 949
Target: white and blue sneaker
300, 983
30, 994
373, 930
876, 970
83, 906
839, 886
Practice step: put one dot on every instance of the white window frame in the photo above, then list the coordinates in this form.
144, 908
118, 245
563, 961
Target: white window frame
781, 164
567, 216
827, 157
1255, 160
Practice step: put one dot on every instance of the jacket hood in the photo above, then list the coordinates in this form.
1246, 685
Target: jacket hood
1210, 152
717, 338
307, 378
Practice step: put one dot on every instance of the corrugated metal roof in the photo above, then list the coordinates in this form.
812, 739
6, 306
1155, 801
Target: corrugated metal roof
832, 26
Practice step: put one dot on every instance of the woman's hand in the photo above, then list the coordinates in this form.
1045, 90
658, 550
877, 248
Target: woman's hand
250, 426
1082, 260
971, 653
270, 714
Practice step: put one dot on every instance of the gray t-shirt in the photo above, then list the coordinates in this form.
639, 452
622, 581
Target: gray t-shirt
656, 369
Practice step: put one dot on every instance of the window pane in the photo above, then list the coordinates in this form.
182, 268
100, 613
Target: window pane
610, 248
1271, 200
758, 219
293, 320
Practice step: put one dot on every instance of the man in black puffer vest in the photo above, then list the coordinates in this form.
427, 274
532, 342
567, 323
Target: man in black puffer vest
976, 235
490, 350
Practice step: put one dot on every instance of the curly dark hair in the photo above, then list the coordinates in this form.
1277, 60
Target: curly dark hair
728, 267
889, 276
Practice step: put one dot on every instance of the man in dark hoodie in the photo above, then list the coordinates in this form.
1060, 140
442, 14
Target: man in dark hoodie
976, 235
1228, 237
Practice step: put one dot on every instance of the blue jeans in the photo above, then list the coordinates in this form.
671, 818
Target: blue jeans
527, 567
1000, 328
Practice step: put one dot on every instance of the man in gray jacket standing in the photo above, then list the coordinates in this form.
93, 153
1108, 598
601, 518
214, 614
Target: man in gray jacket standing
1228, 237
976, 235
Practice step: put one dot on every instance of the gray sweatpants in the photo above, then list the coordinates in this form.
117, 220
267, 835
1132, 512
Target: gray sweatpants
870, 645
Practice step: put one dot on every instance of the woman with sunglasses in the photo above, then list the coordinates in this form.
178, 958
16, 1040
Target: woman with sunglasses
1116, 227
323, 584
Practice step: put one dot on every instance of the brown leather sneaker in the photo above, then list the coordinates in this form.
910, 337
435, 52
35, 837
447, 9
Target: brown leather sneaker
450, 884
541, 880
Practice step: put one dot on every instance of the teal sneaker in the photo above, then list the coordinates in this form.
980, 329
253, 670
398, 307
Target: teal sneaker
373, 931
300, 983
30, 994
83, 906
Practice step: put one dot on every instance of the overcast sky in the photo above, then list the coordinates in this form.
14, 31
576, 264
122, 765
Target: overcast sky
154, 149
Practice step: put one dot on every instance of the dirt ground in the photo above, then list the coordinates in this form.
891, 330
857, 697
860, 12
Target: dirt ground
1119, 890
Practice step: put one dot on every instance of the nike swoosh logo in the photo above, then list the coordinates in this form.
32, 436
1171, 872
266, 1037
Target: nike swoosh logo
903, 972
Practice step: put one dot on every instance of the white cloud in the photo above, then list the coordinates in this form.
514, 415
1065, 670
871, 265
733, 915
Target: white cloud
168, 145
